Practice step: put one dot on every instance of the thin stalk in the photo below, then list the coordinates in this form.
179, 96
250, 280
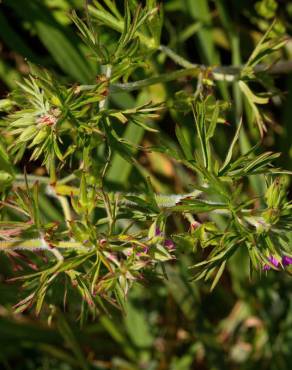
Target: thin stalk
132, 86
105, 196
67, 179
52, 170
32, 178
38, 244
43, 179
179, 60
66, 209
107, 204
108, 72
223, 73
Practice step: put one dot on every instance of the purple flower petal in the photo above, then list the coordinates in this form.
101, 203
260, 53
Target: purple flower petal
158, 232
145, 250
112, 257
286, 260
195, 225
274, 261
169, 244
266, 267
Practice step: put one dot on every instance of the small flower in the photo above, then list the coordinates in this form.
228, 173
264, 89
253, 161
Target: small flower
112, 257
47, 120
144, 251
50, 118
195, 225
158, 232
286, 260
129, 252
169, 244
273, 261
102, 242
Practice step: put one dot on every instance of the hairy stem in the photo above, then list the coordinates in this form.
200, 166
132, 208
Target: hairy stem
165, 77
223, 73
37, 244
107, 72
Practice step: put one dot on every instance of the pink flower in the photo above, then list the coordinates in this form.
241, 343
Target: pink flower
273, 261
145, 250
169, 244
47, 120
286, 260
195, 225
158, 232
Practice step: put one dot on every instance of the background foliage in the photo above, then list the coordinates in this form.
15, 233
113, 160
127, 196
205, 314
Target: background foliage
169, 323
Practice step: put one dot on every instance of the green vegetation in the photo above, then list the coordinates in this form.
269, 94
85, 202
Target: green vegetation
145, 171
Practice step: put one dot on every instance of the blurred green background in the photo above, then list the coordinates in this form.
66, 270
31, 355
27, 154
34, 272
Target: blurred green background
170, 323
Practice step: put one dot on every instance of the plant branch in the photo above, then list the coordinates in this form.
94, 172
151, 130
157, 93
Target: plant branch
43, 179
108, 72
37, 244
227, 73
131, 86
222, 73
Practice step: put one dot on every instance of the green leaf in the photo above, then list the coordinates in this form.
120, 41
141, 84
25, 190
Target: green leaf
6, 179
134, 134
197, 206
218, 275
184, 145
5, 163
213, 123
230, 150
200, 120
251, 97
